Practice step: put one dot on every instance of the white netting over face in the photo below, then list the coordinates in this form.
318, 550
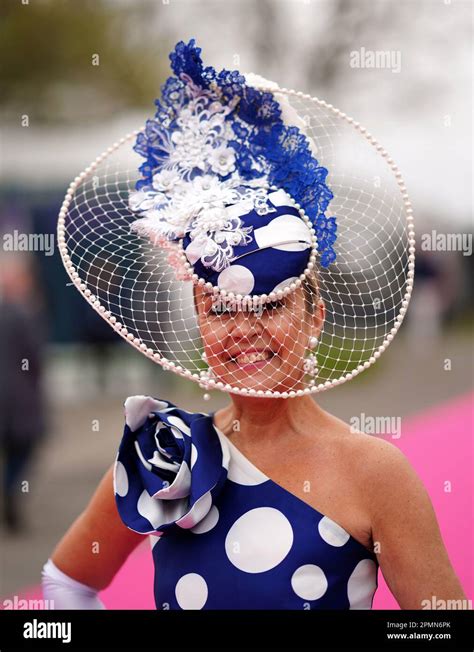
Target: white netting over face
321, 334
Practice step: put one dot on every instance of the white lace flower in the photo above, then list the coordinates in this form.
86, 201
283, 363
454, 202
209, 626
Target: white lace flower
202, 127
210, 220
188, 151
142, 201
205, 207
165, 222
217, 233
208, 191
167, 181
222, 160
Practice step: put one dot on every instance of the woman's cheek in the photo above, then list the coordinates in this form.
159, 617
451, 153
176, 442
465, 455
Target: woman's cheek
213, 339
286, 330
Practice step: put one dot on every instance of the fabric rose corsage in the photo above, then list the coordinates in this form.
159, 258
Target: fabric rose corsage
170, 466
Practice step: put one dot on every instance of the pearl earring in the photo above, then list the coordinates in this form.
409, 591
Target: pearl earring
310, 364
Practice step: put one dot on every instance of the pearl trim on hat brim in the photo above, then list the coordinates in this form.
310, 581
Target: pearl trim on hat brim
212, 383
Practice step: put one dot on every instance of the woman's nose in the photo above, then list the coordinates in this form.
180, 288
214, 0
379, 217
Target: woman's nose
244, 324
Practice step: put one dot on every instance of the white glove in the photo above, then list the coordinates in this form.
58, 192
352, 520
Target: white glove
63, 592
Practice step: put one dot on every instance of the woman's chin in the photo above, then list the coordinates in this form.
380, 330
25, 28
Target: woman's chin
263, 375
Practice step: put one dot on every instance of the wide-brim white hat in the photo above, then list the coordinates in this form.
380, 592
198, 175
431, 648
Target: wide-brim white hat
155, 247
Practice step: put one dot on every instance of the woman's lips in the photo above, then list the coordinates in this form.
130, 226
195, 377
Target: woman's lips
251, 360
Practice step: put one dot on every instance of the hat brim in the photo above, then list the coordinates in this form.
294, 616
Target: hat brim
132, 285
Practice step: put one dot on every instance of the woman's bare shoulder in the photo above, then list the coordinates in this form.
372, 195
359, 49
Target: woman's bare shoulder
378, 461
403, 523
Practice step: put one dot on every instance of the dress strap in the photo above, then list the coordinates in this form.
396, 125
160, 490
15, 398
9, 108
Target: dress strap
241, 469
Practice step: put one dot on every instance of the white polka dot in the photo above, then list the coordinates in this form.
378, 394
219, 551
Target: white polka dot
309, 582
197, 512
161, 463
242, 208
208, 522
180, 486
191, 591
280, 198
179, 423
194, 455
332, 533
280, 230
283, 284
120, 479
237, 279
362, 584
158, 512
145, 463
259, 540
137, 409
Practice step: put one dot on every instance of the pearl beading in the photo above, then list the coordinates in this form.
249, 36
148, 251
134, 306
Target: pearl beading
258, 299
211, 383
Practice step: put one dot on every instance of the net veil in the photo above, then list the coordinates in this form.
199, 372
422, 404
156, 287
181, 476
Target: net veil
323, 332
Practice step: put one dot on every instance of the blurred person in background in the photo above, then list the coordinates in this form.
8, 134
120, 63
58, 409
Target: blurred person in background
22, 414
436, 299
426, 317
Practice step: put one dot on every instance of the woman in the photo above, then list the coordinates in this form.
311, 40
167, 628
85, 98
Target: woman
271, 502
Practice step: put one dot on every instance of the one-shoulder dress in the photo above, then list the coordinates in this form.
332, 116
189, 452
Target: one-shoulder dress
225, 535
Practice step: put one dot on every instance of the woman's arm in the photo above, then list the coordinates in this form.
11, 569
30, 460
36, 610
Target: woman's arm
97, 543
412, 555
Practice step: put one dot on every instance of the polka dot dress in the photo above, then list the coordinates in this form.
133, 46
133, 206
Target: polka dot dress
223, 534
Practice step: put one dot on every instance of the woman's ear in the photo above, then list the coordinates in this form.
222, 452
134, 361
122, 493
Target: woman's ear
195, 302
318, 318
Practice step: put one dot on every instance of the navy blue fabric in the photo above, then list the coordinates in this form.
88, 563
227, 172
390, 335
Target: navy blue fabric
195, 563
269, 265
183, 552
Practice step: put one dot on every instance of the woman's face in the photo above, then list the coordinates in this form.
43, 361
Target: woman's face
262, 349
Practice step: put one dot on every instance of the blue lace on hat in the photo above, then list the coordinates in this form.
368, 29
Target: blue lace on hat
229, 181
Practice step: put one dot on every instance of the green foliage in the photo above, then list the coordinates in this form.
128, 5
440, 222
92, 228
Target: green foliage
47, 49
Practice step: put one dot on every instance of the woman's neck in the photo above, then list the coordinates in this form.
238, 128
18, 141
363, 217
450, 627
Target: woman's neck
265, 420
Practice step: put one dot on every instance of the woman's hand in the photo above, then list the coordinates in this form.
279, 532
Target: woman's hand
97, 543
405, 532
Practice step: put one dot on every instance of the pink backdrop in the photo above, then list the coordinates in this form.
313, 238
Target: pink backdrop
438, 443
